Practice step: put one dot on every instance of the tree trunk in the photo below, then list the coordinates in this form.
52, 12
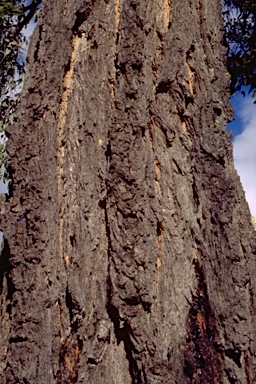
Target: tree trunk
129, 256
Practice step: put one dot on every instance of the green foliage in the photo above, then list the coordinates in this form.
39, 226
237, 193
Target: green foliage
14, 16
240, 39
9, 8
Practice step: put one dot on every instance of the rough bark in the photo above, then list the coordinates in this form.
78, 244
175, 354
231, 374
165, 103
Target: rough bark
129, 256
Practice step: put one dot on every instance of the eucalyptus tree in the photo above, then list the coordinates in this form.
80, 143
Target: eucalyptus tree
129, 254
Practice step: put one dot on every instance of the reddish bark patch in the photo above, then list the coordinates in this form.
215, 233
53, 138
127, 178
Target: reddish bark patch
201, 357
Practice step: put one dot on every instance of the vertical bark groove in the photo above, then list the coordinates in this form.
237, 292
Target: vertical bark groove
202, 357
68, 80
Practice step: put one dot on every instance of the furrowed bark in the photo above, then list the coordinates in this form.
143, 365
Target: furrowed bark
129, 256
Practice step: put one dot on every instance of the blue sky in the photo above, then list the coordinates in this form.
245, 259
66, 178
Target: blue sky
236, 126
244, 142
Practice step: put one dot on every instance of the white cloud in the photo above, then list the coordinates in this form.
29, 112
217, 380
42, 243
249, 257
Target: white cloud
28, 30
245, 151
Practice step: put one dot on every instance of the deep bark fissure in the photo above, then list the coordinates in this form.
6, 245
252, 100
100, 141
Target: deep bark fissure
76, 314
122, 333
17, 339
201, 357
235, 355
121, 327
232, 380
5, 269
81, 17
163, 87
37, 47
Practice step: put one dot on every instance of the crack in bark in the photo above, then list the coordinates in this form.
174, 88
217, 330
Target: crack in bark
76, 314
122, 329
36, 53
235, 355
201, 357
17, 339
123, 333
5, 267
81, 17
